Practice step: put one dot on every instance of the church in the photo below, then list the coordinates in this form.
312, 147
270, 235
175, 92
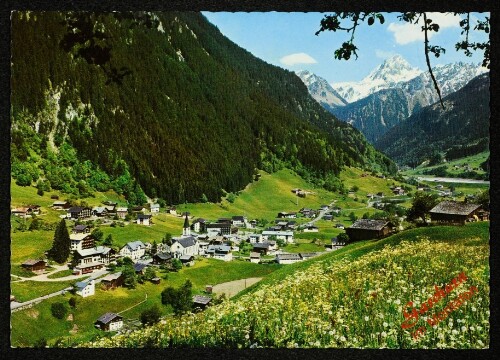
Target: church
186, 244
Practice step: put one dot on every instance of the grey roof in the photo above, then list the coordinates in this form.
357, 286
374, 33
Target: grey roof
238, 218
140, 266
307, 255
288, 257
134, 245
200, 299
261, 245
32, 262
164, 256
186, 241
455, 208
108, 317
143, 216
75, 209
80, 227
368, 224
219, 248
112, 277
94, 250
186, 257
100, 209
82, 284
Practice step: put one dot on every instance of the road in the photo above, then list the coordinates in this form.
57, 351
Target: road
453, 180
320, 214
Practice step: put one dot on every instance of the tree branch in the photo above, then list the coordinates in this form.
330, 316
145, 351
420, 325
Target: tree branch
427, 60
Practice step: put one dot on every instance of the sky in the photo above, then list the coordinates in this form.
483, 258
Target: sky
288, 40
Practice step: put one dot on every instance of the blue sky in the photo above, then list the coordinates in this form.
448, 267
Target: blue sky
288, 40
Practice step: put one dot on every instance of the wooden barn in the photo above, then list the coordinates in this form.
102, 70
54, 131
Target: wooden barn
36, 266
366, 229
454, 212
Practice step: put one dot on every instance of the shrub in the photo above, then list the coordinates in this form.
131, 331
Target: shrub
58, 310
151, 316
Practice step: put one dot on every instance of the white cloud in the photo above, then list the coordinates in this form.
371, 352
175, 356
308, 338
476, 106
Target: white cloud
405, 33
298, 58
382, 54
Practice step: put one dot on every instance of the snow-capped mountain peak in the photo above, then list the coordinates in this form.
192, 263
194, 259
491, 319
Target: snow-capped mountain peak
321, 90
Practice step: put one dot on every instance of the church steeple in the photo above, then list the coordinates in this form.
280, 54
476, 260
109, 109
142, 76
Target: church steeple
186, 230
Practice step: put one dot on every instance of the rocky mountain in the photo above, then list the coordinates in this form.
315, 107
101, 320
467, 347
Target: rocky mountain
321, 90
461, 129
379, 111
162, 101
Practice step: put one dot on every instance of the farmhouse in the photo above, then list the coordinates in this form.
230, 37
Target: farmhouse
162, 258
155, 208
288, 258
184, 246
112, 281
109, 322
85, 288
80, 241
144, 219
280, 235
261, 248
133, 249
78, 212
453, 212
220, 252
99, 211
255, 257
200, 301
36, 266
365, 229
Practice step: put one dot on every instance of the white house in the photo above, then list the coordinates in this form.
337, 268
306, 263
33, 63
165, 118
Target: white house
255, 257
81, 241
280, 235
155, 208
220, 252
187, 245
288, 258
85, 288
311, 228
109, 322
255, 238
238, 221
91, 259
133, 249
143, 219
121, 212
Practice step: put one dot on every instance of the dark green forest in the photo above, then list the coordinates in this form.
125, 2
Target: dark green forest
162, 102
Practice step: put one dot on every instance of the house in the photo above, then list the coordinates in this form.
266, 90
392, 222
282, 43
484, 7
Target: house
36, 266
162, 258
220, 252
328, 217
261, 248
154, 208
81, 229
311, 228
288, 258
78, 212
339, 226
255, 257
324, 207
187, 245
252, 224
280, 235
85, 288
454, 212
81, 241
201, 301
139, 268
109, 322
99, 211
19, 212
336, 244
365, 229
219, 228
254, 238
138, 209
172, 210
112, 281
199, 225
91, 259
143, 219
287, 215
202, 246
307, 256
187, 260
238, 221
33, 209
134, 250
122, 212
60, 205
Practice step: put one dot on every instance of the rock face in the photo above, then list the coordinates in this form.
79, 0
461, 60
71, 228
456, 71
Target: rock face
321, 90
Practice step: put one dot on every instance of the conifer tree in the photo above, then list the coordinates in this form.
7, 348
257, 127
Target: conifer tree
61, 246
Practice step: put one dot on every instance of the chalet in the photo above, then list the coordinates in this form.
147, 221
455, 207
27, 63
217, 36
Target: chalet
155, 208
134, 249
220, 252
172, 210
85, 288
33, 209
60, 205
254, 238
365, 229
139, 268
81, 229
19, 212
81, 241
255, 257
78, 212
238, 221
109, 322
91, 259
201, 301
221, 228
288, 258
162, 258
261, 248
199, 225
187, 260
36, 266
453, 212
280, 235
99, 211
112, 281
187, 245
311, 228
144, 219
122, 212
111, 209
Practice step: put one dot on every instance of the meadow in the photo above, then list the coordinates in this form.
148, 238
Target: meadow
354, 297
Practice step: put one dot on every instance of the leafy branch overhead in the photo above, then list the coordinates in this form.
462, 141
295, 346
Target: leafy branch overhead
349, 21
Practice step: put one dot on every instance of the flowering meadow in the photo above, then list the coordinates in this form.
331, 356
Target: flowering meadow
348, 302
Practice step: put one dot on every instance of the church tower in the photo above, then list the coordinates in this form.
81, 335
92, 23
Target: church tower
186, 230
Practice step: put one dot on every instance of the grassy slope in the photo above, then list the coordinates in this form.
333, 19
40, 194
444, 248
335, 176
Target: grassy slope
474, 161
